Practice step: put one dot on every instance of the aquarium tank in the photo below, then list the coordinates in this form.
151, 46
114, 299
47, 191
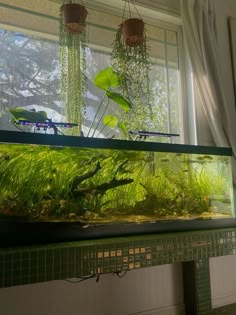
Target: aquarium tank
100, 187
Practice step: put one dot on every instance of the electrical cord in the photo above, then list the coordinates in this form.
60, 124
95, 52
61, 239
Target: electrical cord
119, 274
81, 279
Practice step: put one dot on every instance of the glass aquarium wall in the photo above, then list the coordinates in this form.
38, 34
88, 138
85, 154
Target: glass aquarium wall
53, 178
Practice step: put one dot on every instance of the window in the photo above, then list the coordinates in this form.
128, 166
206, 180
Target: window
30, 76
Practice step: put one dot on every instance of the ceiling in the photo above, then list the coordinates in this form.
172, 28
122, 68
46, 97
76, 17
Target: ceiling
171, 6
14, 12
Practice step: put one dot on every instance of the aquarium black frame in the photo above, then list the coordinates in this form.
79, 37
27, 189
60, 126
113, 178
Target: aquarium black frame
86, 142
23, 232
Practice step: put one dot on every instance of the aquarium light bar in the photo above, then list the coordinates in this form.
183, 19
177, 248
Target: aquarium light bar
45, 124
152, 134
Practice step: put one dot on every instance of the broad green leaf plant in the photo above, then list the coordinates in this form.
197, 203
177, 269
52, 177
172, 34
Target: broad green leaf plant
32, 116
109, 81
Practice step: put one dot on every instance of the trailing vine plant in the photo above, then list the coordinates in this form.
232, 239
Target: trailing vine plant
73, 44
130, 58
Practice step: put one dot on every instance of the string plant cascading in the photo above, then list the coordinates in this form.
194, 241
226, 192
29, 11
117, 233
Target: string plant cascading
73, 43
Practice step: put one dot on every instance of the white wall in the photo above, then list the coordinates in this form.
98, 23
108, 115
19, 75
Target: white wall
223, 280
150, 291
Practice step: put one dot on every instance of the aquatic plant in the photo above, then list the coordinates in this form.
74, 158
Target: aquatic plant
182, 186
32, 116
110, 82
39, 177
51, 181
106, 185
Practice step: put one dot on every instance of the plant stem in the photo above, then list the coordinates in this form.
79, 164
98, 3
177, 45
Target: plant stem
101, 119
103, 128
99, 107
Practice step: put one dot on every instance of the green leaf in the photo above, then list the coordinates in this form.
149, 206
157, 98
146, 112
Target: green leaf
110, 121
20, 113
123, 128
107, 78
120, 100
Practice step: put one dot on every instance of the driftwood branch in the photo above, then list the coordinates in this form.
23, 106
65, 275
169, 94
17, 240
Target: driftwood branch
101, 189
79, 179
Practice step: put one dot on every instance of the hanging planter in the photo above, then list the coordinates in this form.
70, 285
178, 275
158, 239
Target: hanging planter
74, 17
130, 59
73, 46
133, 32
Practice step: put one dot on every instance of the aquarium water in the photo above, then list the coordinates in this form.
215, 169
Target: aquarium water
111, 181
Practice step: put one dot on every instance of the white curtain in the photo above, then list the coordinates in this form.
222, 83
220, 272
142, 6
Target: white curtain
215, 118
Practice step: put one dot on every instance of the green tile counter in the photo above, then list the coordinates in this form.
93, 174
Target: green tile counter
28, 265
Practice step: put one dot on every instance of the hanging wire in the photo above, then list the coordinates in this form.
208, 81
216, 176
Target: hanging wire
136, 9
129, 9
123, 16
129, 3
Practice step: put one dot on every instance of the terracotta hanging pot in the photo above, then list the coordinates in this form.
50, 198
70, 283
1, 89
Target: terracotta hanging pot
74, 17
133, 32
